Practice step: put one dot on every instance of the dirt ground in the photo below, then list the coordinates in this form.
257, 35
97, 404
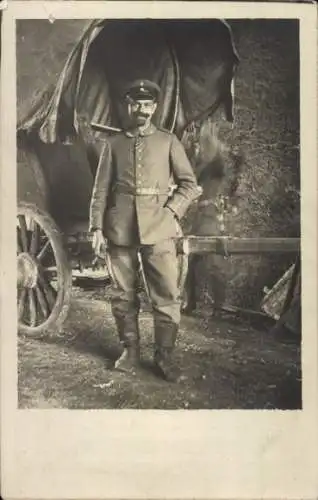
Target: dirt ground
230, 364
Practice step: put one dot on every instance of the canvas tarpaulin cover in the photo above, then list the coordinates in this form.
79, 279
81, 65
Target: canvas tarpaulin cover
193, 61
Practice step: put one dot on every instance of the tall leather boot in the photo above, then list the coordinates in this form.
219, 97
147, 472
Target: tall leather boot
130, 357
165, 365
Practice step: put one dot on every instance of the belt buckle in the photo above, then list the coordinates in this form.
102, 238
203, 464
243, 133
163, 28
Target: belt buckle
147, 191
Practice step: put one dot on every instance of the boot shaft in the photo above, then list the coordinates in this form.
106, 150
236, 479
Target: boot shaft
165, 334
165, 340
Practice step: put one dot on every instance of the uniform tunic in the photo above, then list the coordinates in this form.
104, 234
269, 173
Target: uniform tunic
130, 200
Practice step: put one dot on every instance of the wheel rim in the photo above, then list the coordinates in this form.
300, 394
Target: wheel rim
38, 272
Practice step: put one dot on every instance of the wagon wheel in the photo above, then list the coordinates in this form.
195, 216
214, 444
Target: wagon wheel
44, 273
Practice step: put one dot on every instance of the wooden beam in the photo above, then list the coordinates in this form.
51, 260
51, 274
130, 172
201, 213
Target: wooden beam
222, 245
105, 128
227, 245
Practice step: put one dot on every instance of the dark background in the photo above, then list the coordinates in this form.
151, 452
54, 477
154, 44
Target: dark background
266, 126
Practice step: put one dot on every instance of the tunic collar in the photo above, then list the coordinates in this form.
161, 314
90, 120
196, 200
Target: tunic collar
136, 132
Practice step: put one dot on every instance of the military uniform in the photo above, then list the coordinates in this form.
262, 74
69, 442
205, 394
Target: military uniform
131, 204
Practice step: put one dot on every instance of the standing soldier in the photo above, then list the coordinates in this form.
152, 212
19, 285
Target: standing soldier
132, 209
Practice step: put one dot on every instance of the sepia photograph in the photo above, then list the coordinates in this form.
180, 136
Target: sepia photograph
158, 250
158, 214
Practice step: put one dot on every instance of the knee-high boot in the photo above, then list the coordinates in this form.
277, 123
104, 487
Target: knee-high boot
165, 339
129, 337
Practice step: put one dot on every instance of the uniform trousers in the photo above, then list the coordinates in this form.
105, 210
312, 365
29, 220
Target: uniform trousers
160, 266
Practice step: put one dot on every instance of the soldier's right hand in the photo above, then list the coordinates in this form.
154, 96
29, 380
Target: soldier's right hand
99, 243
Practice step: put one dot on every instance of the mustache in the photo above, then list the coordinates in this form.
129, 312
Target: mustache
143, 115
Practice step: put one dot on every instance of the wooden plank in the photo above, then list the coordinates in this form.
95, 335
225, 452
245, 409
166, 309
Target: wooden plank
223, 245
245, 312
226, 245
274, 299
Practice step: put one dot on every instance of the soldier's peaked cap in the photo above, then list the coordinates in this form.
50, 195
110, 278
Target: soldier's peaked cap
142, 89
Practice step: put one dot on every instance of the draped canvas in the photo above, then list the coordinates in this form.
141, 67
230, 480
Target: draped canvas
201, 53
192, 61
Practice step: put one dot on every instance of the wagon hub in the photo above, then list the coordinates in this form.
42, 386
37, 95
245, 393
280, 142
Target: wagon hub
27, 271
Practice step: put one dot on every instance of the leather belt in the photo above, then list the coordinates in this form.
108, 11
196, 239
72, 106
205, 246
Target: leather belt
140, 191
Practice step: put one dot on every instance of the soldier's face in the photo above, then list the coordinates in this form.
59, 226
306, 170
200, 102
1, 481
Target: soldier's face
140, 111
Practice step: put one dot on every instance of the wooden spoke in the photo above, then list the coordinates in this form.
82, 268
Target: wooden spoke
19, 245
48, 291
44, 276
42, 302
23, 233
21, 303
32, 307
34, 238
43, 250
